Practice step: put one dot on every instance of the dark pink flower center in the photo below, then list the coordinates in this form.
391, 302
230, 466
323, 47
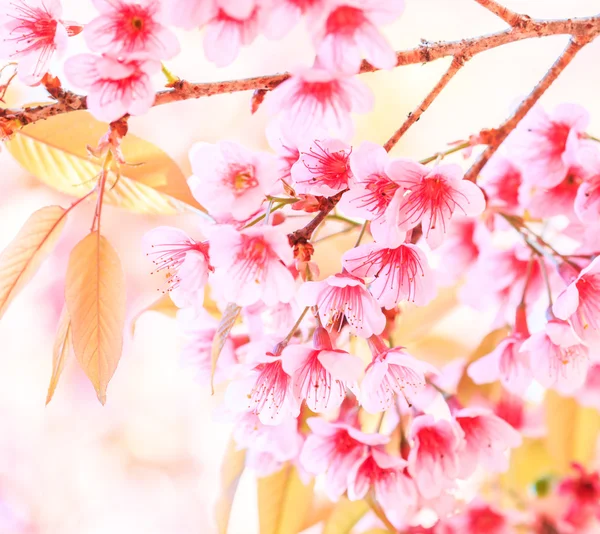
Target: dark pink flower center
557, 136
486, 520
329, 168
380, 191
588, 311
34, 28
345, 20
240, 178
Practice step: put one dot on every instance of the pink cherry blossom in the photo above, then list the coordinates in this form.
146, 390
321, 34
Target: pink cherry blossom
230, 179
115, 86
265, 391
315, 99
501, 182
285, 146
529, 421
431, 197
372, 191
235, 24
393, 490
321, 374
323, 168
182, 261
507, 363
587, 202
398, 274
546, 144
582, 493
333, 449
343, 296
199, 329
579, 303
283, 15
131, 28
589, 393
351, 27
190, 14
434, 457
30, 32
487, 438
268, 446
393, 371
557, 357
250, 265
479, 518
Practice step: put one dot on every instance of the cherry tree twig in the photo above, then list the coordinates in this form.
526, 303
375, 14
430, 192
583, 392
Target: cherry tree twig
494, 138
586, 28
455, 66
508, 16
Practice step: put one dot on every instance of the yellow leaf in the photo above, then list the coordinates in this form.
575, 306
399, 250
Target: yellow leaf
227, 321
231, 471
572, 431
163, 305
344, 516
283, 502
54, 151
95, 297
466, 387
527, 463
26, 252
61, 351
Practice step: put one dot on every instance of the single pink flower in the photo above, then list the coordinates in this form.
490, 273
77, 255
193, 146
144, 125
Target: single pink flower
268, 446
391, 372
434, 457
232, 27
322, 168
333, 449
546, 144
372, 191
183, 262
190, 14
343, 296
229, 179
589, 393
349, 30
398, 274
579, 303
582, 493
587, 201
316, 99
250, 265
478, 518
557, 357
285, 146
131, 28
394, 490
501, 182
529, 421
115, 86
431, 196
283, 15
507, 363
30, 32
199, 329
265, 391
487, 438
321, 374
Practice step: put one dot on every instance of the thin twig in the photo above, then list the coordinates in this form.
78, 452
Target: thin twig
494, 138
510, 17
455, 66
585, 28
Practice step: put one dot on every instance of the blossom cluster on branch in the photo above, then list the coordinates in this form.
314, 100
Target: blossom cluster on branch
313, 374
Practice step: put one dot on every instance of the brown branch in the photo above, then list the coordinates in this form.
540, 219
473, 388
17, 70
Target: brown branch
508, 16
455, 66
494, 138
585, 28
303, 235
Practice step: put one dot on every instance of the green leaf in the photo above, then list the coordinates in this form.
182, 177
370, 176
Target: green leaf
54, 151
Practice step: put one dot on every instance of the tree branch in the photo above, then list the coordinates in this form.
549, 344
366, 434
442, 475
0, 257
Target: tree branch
455, 66
510, 17
585, 28
494, 138
303, 235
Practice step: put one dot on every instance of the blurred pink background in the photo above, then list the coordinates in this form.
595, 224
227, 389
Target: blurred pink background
148, 461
